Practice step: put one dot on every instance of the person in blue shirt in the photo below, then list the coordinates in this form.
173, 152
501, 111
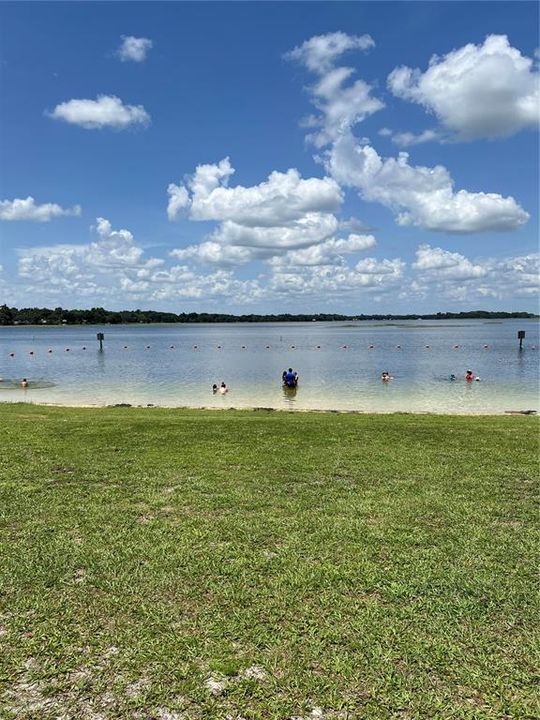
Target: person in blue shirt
290, 378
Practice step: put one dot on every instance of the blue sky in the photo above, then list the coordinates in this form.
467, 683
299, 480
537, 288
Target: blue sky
270, 157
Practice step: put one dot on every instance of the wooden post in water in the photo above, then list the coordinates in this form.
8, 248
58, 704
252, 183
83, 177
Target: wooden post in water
101, 338
521, 336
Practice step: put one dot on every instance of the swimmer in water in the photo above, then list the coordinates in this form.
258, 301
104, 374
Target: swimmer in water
290, 378
469, 376
452, 377
214, 388
223, 388
24, 383
385, 376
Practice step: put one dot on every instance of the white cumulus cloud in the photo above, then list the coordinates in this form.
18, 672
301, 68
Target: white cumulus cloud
329, 252
214, 253
319, 53
283, 212
106, 111
418, 195
282, 198
26, 209
321, 281
477, 91
460, 280
83, 269
133, 49
438, 264
342, 103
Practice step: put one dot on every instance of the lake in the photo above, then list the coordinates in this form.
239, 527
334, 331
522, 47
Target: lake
339, 364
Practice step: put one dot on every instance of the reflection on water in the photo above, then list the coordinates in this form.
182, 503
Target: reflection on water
289, 395
340, 365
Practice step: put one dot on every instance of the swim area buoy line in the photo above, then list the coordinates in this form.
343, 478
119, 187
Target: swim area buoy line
50, 351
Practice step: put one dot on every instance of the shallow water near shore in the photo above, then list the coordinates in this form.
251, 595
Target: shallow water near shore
339, 365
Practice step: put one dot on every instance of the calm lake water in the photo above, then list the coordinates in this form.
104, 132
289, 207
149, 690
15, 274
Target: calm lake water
339, 365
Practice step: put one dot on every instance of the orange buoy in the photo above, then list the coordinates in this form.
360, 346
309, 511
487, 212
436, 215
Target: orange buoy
147, 347
457, 346
171, 347
318, 347
84, 347
49, 350
31, 352
268, 347
11, 354
398, 347
371, 347
67, 349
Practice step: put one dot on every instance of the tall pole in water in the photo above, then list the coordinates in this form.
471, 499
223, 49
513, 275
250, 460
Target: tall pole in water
100, 337
521, 336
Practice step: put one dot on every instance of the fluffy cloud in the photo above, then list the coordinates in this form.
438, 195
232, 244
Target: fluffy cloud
517, 276
214, 253
341, 105
319, 53
214, 287
420, 196
282, 198
330, 252
133, 49
477, 91
437, 264
309, 229
27, 209
369, 275
464, 282
106, 111
83, 269
281, 213
113, 268
178, 200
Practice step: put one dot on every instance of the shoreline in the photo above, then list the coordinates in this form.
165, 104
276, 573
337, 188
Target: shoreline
257, 408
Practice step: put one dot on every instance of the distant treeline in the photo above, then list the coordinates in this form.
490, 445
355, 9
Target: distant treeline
99, 316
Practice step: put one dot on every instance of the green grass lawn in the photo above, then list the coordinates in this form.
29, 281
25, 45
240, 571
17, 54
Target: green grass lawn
178, 565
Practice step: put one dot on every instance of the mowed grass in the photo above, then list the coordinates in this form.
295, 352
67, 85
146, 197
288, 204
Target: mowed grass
180, 565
